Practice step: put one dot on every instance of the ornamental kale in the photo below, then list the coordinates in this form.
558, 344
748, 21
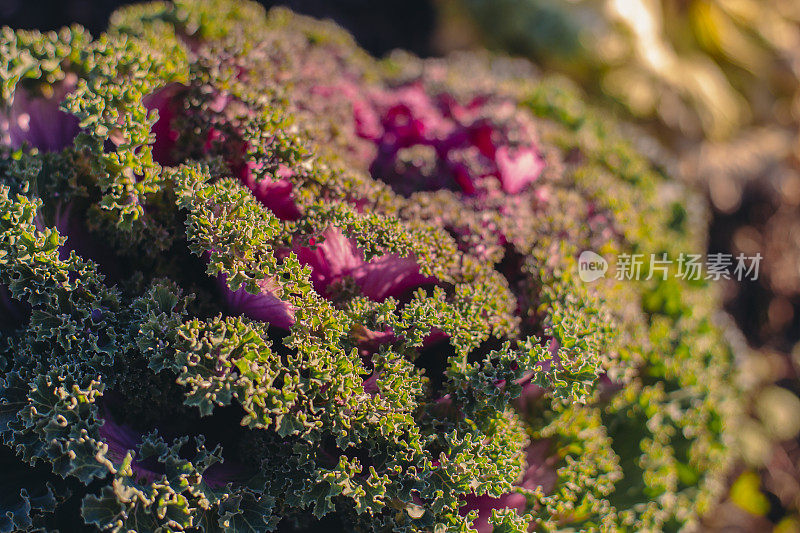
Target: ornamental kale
252, 279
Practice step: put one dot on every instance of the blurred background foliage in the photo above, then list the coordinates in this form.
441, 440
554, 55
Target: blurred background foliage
711, 89
692, 69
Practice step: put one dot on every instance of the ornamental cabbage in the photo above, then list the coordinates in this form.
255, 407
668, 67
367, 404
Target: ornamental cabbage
253, 280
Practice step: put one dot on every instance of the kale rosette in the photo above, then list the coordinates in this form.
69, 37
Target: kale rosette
252, 279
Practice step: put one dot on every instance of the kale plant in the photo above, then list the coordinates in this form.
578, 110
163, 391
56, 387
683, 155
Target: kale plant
253, 280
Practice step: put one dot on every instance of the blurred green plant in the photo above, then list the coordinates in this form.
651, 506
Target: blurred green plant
699, 67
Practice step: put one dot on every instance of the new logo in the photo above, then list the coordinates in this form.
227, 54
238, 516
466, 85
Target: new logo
591, 266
